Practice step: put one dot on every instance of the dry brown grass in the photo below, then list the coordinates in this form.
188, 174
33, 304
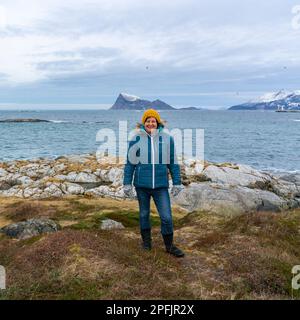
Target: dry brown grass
27, 210
252, 254
246, 257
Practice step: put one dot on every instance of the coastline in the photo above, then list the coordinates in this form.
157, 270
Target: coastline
222, 188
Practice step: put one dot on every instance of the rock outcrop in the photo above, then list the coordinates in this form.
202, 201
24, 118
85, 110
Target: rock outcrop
225, 188
30, 228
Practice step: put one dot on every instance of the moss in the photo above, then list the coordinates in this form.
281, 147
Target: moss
84, 225
227, 165
128, 219
31, 240
80, 206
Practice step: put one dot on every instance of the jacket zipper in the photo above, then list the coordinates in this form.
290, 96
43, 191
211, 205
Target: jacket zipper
153, 168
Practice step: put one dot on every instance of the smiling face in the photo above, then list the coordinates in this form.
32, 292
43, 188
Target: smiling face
150, 124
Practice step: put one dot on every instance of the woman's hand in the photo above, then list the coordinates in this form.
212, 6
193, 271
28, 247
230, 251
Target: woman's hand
128, 191
176, 190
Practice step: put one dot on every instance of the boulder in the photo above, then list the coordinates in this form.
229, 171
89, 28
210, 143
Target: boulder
72, 188
14, 191
291, 177
84, 177
30, 192
53, 190
115, 175
109, 224
4, 185
224, 199
107, 191
244, 176
30, 228
3, 172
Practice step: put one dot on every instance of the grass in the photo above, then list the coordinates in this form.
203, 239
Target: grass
245, 257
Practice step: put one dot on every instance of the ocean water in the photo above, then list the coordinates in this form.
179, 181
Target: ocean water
263, 139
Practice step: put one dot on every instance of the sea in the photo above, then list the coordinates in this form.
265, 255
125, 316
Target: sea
266, 140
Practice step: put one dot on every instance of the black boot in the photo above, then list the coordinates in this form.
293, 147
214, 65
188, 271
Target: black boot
146, 236
170, 247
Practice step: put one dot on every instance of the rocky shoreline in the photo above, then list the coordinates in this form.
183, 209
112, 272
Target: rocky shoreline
23, 120
226, 188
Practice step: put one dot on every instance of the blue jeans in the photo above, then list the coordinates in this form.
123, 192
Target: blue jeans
162, 201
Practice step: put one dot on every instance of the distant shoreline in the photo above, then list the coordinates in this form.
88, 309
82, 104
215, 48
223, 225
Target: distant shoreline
287, 111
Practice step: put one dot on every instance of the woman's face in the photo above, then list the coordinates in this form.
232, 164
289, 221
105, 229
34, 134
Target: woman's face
150, 124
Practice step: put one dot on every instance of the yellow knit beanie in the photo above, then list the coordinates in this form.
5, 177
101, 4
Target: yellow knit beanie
151, 113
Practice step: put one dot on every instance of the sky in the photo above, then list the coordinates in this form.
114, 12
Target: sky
205, 53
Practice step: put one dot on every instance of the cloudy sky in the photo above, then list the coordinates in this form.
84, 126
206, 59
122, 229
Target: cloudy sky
210, 53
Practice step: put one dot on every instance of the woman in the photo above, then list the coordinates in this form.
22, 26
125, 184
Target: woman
151, 154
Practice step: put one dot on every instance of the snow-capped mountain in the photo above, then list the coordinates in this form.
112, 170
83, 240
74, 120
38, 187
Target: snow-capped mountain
131, 102
272, 101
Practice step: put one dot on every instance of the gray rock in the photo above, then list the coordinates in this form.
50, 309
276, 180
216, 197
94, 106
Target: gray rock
72, 188
84, 177
107, 191
4, 185
286, 189
291, 177
53, 190
71, 176
193, 167
32, 192
14, 191
59, 167
244, 176
115, 175
227, 200
3, 172
30, 228
109, 224
24, 180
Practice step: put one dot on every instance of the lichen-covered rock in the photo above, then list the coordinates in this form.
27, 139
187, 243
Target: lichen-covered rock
232, 176
4, 185
227, 200
72, 188
30, 228
32, 192
109, 224
84, 177
3, 172
107, 191
193, 167
286, 189
291, 177
115, 175
14, 191
53, 190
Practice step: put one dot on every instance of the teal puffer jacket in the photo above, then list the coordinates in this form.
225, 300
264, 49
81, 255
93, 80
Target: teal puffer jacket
150, 158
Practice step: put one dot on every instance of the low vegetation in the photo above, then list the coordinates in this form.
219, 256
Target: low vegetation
245, 257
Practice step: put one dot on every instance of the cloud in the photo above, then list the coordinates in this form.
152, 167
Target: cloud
183, 44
